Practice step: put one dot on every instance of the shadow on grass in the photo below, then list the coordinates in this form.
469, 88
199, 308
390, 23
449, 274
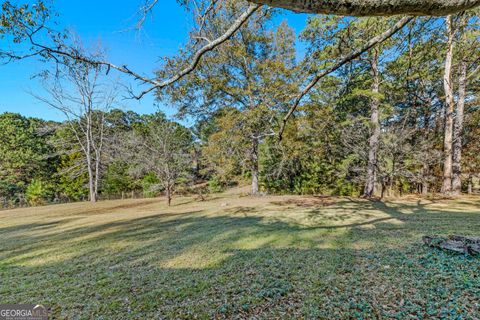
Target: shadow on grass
32, 226
241, 266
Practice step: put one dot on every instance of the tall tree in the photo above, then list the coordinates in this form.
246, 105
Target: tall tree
76, 90
341, 35
468, 49
251, 73
449, 107
374, 126
458, 128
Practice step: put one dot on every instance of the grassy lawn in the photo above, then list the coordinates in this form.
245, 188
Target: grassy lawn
238, 257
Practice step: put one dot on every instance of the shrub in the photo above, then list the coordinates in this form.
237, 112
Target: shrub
37, 193
150, 185
215, 185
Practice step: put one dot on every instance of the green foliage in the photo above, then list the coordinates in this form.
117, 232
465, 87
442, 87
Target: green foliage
23, 153
238, 96
117, 179
215, 185
150, 184
18, 20
239, 90
224, 151
38, 193
72, 184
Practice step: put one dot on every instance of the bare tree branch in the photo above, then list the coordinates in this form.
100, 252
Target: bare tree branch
144, 12
55, 52
209, 47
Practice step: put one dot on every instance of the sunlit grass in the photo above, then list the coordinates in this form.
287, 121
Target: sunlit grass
233, 256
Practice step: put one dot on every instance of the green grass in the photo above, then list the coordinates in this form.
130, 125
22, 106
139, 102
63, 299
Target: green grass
238, 257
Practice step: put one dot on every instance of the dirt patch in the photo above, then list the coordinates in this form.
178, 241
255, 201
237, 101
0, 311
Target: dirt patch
240, 210
125, 206
306, 202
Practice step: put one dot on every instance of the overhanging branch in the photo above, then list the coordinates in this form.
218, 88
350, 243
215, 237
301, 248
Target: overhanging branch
237, 24
374, 7
55, 52
352, 55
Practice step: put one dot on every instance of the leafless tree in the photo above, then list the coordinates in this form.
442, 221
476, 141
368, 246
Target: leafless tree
161, 147
77, 91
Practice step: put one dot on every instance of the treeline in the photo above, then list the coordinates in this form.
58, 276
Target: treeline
402, 118
43, 162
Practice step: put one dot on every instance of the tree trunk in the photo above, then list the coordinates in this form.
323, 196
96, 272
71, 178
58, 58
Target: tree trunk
375, 127
425, 176
198, 166
374, 7
97, 175
449, 108
470, 184
424, 188
91, 184
97, 147
169, 195
91, 179
88, 155
254, 166
458, 130
384, 187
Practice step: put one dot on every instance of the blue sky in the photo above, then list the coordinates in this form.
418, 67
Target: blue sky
111, 23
